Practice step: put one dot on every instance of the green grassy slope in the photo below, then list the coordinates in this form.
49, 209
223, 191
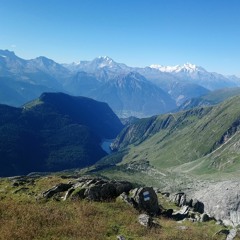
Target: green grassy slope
203, 134
211, 98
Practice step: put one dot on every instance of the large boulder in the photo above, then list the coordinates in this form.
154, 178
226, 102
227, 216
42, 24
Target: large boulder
101, 192
145, 199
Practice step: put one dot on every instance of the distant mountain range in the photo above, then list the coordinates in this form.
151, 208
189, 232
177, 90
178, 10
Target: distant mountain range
129, 91
54, 132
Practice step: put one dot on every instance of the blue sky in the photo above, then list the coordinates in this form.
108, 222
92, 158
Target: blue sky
136, 32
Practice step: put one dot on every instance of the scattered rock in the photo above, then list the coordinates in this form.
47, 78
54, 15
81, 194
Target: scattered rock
147, 221
121, 237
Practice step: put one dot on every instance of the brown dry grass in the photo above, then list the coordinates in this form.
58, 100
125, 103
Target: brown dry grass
24, 218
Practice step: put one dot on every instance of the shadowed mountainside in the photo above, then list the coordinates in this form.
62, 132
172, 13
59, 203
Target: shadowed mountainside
54, 132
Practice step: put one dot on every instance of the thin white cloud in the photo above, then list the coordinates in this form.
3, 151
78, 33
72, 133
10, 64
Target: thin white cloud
13, 46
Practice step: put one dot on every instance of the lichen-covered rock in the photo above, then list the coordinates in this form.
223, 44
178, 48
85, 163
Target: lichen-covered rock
102, 192
76, 194
91, 188
61, 187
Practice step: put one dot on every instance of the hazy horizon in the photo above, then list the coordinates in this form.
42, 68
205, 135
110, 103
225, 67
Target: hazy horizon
137, 33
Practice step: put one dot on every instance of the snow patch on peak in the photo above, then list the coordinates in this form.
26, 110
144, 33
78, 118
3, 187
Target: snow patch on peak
105, 61
165, 68
105, 58
187, 67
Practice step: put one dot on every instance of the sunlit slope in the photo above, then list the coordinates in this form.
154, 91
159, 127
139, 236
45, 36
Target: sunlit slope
175, 139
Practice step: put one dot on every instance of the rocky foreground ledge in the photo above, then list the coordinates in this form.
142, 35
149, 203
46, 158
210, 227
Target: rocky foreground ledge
216, 202
204, 207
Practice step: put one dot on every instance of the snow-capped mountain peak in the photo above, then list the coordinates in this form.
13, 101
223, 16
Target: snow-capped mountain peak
190, 67
187, 67
105, 58
104, 61
100, 62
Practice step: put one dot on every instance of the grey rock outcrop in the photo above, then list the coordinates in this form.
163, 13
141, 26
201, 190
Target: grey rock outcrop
232, 234
179, 199
57, 189
91, 188
222, 201
181, 214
